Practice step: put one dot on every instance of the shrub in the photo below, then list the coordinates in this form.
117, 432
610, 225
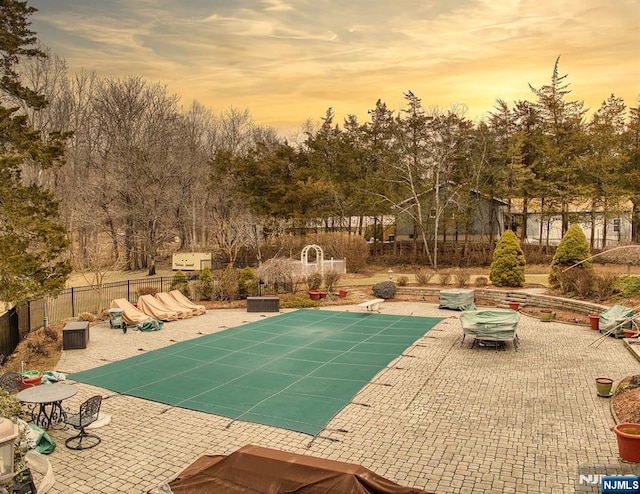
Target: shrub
424, 277
38, 346
508, 262
86, 316
147, 290
205, 284
444, 277
340, 245
313, 280
331, 280
606, 286
584, 282
248, 283
481, 281
278, 272
573, 249
385, 289
228, 287
629, 286
403, 280
51, 334
462, 278
299, 302
180, 282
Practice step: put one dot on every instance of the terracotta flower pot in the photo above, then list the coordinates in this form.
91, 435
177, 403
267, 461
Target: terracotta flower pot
342, 293
594, 321
323, 294
628, 435
514, 305
314, 294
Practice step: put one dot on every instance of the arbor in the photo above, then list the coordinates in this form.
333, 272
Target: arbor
32, 241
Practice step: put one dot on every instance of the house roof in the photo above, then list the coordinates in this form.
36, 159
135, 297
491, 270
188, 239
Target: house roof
581, 205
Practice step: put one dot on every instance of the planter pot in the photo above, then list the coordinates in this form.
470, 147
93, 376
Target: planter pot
628, 435
630, 333
31, 379
604, 385
594, 321
514, 305
314, 294
323, 293
342, 293
546, 315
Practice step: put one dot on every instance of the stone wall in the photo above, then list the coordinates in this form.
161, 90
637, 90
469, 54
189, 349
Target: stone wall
503, 297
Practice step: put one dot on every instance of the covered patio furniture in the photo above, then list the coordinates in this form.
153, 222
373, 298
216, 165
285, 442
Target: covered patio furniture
457, 299
185, 302
172, 304
494, 326
156, 309
615, 320
134, 317
265, 471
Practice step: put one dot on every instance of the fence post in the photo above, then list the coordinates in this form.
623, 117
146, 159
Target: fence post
73, 303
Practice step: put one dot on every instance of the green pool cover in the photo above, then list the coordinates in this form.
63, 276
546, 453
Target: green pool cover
295, 370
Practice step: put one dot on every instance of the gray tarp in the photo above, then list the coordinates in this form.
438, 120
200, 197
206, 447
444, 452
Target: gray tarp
457, 299
617, 317
494, 324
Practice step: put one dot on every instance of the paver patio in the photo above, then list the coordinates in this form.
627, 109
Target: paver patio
441, 417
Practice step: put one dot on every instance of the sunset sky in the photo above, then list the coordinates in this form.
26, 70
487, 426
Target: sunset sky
289, 60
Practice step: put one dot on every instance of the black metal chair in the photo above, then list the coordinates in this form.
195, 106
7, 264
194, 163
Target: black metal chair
11, 382
88, 414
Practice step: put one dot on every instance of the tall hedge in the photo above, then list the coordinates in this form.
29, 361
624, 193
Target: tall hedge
572, 249
508, 262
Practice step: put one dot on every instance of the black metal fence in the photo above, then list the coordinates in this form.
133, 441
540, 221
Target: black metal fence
17, 322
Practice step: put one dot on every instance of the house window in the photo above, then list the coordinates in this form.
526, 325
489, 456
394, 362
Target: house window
616, 225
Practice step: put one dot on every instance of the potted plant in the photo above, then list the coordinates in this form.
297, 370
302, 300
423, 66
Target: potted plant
314, 294
546, 315
604, 384
628, 435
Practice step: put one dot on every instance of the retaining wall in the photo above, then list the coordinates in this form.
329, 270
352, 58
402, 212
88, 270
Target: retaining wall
503, 297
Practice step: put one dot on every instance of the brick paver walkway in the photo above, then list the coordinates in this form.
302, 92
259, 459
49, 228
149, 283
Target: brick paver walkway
441, 417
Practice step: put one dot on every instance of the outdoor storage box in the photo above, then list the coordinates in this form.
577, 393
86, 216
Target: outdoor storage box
75, 335
263, 304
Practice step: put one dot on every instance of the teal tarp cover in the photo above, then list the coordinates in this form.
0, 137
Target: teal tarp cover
494, 324
617, 317
457, 299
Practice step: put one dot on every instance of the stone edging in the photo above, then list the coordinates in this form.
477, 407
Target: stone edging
501, 297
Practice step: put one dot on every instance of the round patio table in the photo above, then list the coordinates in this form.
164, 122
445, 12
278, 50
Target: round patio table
47, 398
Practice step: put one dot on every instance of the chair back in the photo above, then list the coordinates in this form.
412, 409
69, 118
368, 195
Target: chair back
11, 382
89, 410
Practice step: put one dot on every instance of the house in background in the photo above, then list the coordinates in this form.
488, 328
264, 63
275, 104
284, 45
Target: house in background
469, 217
545, 227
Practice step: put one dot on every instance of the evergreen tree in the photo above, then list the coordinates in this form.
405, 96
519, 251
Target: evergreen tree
573, 249
32, 241
507, 265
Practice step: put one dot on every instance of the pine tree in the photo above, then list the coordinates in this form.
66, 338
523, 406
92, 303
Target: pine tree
32, 241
